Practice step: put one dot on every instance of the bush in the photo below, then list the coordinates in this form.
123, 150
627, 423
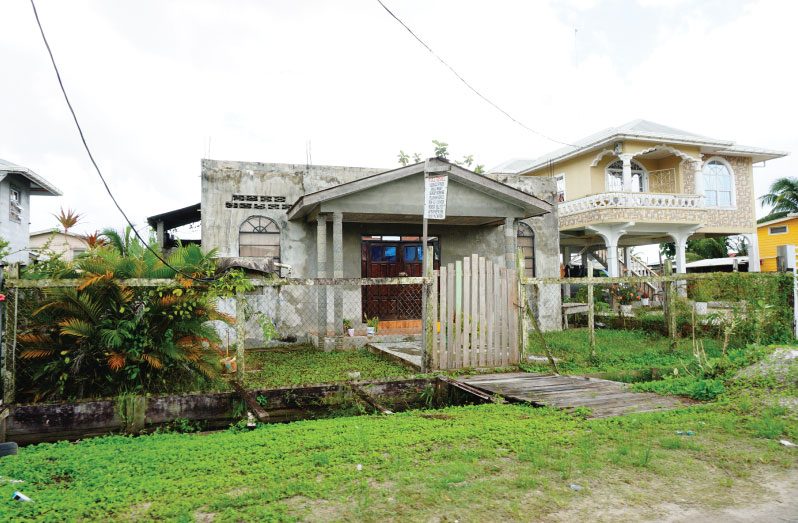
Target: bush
102, 337
696, 388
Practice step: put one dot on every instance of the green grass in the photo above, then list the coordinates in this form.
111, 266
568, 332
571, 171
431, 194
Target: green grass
618, 351
293, 366
488, 462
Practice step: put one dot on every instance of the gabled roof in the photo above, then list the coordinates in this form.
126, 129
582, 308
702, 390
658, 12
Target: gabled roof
535, 206
38, 185
636, 130
776, 218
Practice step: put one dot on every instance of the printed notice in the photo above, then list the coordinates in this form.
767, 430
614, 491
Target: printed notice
435, 197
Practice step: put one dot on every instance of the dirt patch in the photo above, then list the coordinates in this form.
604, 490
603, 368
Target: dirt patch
138, 512
767, 496
240, 491
317, 509
204, 517
437, 416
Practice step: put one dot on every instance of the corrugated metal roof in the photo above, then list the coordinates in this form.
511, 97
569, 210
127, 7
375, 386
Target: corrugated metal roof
38, 184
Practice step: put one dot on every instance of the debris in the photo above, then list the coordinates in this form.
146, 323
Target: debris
251, 424
359, 467
19, 496
575, 487
685, 433
354, 375
787, 443
10, 480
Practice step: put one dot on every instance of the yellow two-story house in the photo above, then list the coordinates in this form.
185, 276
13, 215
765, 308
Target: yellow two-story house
644, 183
772, 232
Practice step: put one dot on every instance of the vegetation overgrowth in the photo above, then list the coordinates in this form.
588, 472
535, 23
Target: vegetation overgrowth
488, 462
306, 365
103, 337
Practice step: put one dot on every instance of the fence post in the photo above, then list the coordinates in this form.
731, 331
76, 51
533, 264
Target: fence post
668, 308
522, 302
241, 334
591, 311
426, 307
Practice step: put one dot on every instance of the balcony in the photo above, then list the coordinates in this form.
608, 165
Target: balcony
630, 200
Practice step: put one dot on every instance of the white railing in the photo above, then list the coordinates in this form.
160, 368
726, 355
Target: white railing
615, 200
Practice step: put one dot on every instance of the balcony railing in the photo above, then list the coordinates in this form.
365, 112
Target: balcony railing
634, 200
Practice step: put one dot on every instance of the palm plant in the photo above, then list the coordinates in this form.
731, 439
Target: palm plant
68, 219
104, 337
782, 196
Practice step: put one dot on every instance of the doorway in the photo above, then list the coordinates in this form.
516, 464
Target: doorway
392, 257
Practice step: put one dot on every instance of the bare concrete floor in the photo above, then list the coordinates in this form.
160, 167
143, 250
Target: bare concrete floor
405, 352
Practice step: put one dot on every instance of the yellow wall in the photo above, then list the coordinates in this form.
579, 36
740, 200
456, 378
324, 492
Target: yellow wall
768, 242
582, 180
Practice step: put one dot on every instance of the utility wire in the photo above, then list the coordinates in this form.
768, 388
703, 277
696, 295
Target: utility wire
94, 163
465, 82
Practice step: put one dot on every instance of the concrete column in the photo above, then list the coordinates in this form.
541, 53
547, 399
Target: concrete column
681, 259
627, 171
338, 272
612, 257
626, 259
321, 272
510, 235
753, 253
680, 238
566, 261
321, 246
584, 263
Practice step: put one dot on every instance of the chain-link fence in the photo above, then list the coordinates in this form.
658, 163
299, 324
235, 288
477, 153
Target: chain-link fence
328, 313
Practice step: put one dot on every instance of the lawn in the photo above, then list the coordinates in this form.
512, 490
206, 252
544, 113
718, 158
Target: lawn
305, 365
488, 462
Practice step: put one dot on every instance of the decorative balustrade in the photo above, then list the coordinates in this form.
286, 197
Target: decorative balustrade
639, 200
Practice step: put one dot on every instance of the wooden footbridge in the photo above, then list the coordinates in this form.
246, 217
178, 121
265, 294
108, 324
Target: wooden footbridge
604, 398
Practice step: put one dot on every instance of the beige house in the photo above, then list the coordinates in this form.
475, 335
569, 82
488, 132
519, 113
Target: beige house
69, 245
645, 183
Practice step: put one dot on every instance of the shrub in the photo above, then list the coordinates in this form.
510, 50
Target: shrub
102, 337
696, 388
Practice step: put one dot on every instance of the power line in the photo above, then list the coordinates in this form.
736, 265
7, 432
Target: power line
465, 82
91, 157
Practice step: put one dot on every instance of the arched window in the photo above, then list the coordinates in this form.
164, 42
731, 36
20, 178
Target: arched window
615, 176
259, 237
526, 242
718, 184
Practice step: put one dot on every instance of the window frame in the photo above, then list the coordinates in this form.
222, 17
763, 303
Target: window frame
771, 227
640, 168
271, 223
732, 184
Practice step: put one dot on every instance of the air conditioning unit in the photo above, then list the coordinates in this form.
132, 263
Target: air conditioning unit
785, 257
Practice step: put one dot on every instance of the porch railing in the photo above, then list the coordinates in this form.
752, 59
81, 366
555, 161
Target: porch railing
615, 200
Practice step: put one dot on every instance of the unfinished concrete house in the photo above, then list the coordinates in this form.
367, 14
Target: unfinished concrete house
350, 222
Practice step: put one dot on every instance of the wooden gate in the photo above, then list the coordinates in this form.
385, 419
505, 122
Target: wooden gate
476, 315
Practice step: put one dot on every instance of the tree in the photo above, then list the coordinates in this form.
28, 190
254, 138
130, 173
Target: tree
704, 248
783, 196
441, 150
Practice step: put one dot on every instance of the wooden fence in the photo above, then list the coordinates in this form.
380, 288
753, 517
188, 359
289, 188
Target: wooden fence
475, 311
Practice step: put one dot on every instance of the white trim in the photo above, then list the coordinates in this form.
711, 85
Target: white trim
771, 227
673, 150
733, 197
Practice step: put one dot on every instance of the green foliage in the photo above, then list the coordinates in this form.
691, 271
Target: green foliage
625, 293
4, 249
104, 338
470, 463
696, 388
441, 150
782, 196
282, 367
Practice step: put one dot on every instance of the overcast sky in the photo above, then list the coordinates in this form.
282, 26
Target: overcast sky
159, 85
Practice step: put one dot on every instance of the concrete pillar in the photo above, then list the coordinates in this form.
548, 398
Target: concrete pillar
753, 252
626, 259
611, 234
566, 261
321, 272
338, 272
612, 257
680, 238
510, 235
627, 171
681, 259
585, 262
321, 246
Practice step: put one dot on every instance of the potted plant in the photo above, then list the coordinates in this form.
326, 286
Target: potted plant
625, 295
371, 325
645, 298
348, 327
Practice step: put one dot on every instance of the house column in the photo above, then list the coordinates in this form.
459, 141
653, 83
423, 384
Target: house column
611, 234
160, 234
510, 235
627, 171
566, 261
321, 272
753, 253
680, 241
338, 272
